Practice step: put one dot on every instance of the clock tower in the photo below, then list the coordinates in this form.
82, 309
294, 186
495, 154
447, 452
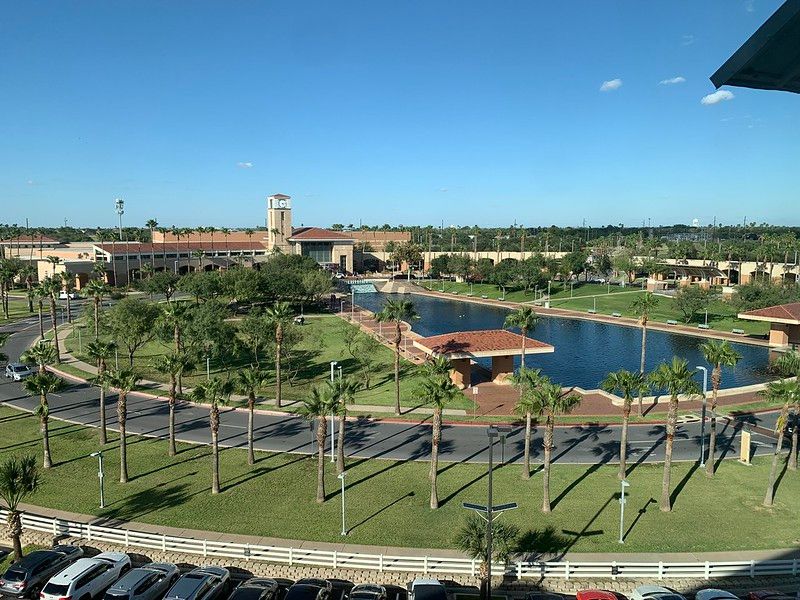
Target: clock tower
279, 222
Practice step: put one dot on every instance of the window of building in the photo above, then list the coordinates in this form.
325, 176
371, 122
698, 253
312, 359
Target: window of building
319, 251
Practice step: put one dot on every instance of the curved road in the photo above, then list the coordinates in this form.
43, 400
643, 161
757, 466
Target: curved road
584, 444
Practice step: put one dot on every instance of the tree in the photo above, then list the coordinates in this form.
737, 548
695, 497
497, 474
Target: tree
629, 385
151, 224
101, 352
471, 539
550, 401
256, 332
39, 294
68, 285
315, 285
788, 365
19, 479
642, 307
214, 392
96, 289
363, 350
690, 300
675, 379
318, 406
343, 391
41, 354
525, 381
174, 365
51, 288
784, 393
42, 384
132, 323
278, 316
250, 381
396, 311
525, 319
718, 354
574, 263
124, 380
162, 282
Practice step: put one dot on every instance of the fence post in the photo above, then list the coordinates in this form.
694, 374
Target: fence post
380, 563
291, 555
613, 570
794, 568
566, 570
707, 571
660, 570
752, 569
88, 532
334, 559
519, 570
247, 551
205, 548
163, 542
425, 565
127, 541
55, 527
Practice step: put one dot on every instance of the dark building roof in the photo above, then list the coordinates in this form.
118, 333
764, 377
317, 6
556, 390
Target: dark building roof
159, 247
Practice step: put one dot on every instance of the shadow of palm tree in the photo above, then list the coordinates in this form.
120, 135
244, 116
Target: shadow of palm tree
381, 510
541, 544
145, 502
682, 484
605, 451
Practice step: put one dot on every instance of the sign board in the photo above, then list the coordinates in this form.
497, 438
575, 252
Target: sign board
474, 390
744, 450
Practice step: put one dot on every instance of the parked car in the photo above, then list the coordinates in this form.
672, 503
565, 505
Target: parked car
25, 578
308, 590
317, 581
257, 588
427, 589
203, 583
768, 595
149, 582
544, 596
18, 371
713, 594
87, 578
655, 592
595, 595
368, 591
63, 295
340, 588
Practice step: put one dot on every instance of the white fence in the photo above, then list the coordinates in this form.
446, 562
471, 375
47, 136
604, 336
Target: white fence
410, 564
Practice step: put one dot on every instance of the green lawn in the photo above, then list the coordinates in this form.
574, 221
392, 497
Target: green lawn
557, 290
17, 308
322, 342
387, 502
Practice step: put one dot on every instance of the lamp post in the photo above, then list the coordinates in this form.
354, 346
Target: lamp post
100, 475
333, 420
175, 269
344, 526
119, 205
492, 433
623, 485
703, 418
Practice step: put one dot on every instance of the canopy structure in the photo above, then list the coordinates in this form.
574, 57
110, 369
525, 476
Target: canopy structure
462, 347
770, 59
784, 322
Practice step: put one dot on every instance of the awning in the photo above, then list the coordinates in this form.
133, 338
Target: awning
770, 59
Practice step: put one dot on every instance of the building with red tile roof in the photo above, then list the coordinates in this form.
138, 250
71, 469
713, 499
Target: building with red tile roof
784, 322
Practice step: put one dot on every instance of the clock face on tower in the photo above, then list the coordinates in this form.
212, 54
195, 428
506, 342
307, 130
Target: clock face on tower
282, 203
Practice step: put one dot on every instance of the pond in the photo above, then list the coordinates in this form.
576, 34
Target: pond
585, 351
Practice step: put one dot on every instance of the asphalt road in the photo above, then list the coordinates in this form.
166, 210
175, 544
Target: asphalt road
583, 444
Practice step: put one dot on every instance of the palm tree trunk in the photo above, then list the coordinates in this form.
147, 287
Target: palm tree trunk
322, 433
54, 322
792, 465
41, 319
96, 317
435, 439
623, 440
524, 339
278, 373
526, 468
48, 461
641, 361
712, 435
29, 286
15, 531
251, 403
122, 415
672, 417
173, 382
773, 471
101, 370
548, 448
397, 339
340, 444
69, 308
214, 449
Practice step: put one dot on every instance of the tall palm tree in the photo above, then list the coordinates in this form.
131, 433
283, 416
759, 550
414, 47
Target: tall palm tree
318, 406
343, 391
28, 273
19, 478
675, 379
551, 401
151, 224
174, 317
41, 354
39, 294
225, 233
396, 311
525, 319
718, 354
124, 379
250, 382
68, 285
628, 385
173, 365
642, 307
788, 365
525, 381
471, 539
97, 289
42, 384
214, 392
438, 391
52, 287
101, 352
278, 317
785, 393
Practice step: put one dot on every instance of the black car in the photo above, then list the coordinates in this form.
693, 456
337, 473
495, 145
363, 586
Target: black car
203, 583
25, 578
368, 591
257, 588
308, 591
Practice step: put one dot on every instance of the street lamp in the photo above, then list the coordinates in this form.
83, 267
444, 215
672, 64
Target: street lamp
623, 485
100, 475
119, 205
333, 420
492, 433
176, 267
341, 478
703, 417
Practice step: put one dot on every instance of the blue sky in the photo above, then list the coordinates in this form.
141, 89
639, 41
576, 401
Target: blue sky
403, 112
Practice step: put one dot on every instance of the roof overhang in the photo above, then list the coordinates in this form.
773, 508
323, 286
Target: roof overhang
460, 345
770, 59
765, 319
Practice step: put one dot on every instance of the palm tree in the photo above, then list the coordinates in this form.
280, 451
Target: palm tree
174, 317
214, 392
19, 478
674, 378
438, 391
781, 392
642, 307
68, 285
525, 381
318, 406
124, 379
788, 365
174, 365
225, 232
525, 319
549, 400
52, 287
343, 391
249, 382
28, 272
278, 317
151, 224
40, 293
41, 354
629, 385
718, 354
101, 352
471, 539
40, 385
97, 289
396, 311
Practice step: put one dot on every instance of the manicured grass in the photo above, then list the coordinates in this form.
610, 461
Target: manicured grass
322, 343
387, 502
557, 290
17, 309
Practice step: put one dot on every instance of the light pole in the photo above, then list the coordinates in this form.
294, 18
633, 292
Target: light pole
333, 420
341, 478
119, 205
175, 270
703, 418
622, 484
492, 433
352, 303
208, 367
100, 475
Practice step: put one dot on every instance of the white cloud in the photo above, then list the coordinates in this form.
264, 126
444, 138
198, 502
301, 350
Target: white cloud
717, 97
687, 40
749, 5
443, 190
672, 80
244, 165
611, 85
30, 182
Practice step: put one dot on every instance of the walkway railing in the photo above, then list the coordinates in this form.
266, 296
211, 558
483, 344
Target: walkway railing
412, 564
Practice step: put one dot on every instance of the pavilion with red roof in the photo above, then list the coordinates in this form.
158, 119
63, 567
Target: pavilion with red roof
461, 348
784, 322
